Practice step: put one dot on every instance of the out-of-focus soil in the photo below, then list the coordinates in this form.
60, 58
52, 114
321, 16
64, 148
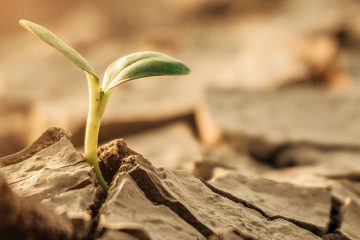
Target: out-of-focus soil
252, 45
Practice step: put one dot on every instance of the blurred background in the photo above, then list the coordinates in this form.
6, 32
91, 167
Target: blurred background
273, 83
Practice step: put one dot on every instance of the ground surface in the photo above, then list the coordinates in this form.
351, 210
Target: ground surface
51, 193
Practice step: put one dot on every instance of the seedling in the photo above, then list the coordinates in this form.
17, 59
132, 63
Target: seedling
133, 66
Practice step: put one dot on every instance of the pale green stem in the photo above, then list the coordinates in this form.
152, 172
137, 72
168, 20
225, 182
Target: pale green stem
97, 104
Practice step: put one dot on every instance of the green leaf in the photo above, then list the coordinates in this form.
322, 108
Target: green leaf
58, 44
141, 65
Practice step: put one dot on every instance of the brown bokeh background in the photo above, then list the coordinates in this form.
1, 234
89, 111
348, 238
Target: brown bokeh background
229, 44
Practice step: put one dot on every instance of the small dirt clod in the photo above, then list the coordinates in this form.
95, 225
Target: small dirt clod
116, 155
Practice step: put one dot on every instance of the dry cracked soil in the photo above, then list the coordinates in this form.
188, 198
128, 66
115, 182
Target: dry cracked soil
49, 192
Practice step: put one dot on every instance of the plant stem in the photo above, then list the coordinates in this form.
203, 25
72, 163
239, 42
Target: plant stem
97, 103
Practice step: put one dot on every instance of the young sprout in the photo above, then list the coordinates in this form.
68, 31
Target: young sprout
133, 66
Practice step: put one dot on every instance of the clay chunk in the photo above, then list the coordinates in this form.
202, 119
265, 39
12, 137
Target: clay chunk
308, 207
262, 122
54, 173
128, 210
350, 226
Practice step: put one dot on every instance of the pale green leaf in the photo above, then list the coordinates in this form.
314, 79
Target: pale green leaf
58, 44
141, 65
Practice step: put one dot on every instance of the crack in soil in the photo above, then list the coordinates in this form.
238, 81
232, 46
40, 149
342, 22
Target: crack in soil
95, 209
233, 198
154, 194
335, 216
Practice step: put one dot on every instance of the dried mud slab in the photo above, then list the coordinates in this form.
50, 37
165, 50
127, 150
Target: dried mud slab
127, 207
179, 190
293, 117
223, 159
51, 171
196, 203
23, 218
318, 165
306, 207
350, 224
297, 177
329, 161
